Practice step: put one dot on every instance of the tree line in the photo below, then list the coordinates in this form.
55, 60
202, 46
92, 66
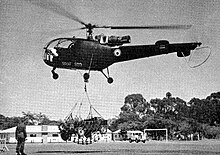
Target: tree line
30, 119
201, 116
178, 116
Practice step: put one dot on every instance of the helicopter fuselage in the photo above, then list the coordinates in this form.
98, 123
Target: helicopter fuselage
85, 54
78, 53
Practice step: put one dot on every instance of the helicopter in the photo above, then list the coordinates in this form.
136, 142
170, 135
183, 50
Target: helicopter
99, 52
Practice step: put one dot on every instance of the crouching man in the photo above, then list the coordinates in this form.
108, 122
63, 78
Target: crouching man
20, 135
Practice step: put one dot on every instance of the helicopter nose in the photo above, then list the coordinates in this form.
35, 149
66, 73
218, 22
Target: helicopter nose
53, 51
49, 54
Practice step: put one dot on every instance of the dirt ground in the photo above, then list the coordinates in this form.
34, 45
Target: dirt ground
204, 147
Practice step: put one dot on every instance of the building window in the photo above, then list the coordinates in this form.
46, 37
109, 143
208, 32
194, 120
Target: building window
33, 135
55, 135
44, 128
44, 134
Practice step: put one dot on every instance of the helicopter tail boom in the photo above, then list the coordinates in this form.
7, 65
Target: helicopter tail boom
159, 48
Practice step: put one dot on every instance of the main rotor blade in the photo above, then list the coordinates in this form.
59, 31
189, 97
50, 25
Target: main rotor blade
54, 7
156, 27
57, 32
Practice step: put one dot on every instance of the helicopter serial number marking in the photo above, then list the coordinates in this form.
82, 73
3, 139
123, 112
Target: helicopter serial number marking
117, 52
67, 63
78, 64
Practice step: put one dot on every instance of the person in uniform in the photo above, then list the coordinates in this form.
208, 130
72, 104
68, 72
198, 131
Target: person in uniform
20, 135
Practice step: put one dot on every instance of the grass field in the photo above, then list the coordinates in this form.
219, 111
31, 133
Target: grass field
203, 147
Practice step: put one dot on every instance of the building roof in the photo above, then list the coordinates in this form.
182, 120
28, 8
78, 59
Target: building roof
109, 131
117, 131
10, 130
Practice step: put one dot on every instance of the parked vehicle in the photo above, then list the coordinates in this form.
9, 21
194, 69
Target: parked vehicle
136, 136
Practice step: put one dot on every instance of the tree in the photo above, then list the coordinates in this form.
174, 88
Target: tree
134, 109
164, 108
205, 110
8, 122
135, 104
2, 119
210, 131
178, 116
181, 110
214, 100
36, 119
214, 96
30, 117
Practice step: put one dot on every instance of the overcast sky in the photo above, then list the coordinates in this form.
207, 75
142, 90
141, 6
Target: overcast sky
25, 80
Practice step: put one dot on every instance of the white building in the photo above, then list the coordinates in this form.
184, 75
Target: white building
46, 134
35, 134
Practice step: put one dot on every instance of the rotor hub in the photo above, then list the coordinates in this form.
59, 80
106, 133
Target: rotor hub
89, 28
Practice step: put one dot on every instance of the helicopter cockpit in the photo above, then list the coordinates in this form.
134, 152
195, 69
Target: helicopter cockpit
60, 43
55, 47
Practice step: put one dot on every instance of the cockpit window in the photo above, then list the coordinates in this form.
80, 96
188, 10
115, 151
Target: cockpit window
62, 42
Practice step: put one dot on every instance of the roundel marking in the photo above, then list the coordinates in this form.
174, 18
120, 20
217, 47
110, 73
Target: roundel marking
117, 52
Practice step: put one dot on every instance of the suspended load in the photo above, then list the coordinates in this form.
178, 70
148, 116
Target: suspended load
82, 130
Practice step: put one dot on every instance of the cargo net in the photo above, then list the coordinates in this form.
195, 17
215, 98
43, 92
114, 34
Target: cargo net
82, 131
198, 56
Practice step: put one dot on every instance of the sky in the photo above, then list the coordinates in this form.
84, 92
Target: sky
25, 80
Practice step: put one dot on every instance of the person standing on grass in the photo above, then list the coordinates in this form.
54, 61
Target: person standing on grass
20, 135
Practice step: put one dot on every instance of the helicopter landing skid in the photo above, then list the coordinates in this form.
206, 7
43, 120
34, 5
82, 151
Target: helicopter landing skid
109, 79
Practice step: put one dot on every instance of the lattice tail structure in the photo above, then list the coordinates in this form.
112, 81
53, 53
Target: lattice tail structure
3, 146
